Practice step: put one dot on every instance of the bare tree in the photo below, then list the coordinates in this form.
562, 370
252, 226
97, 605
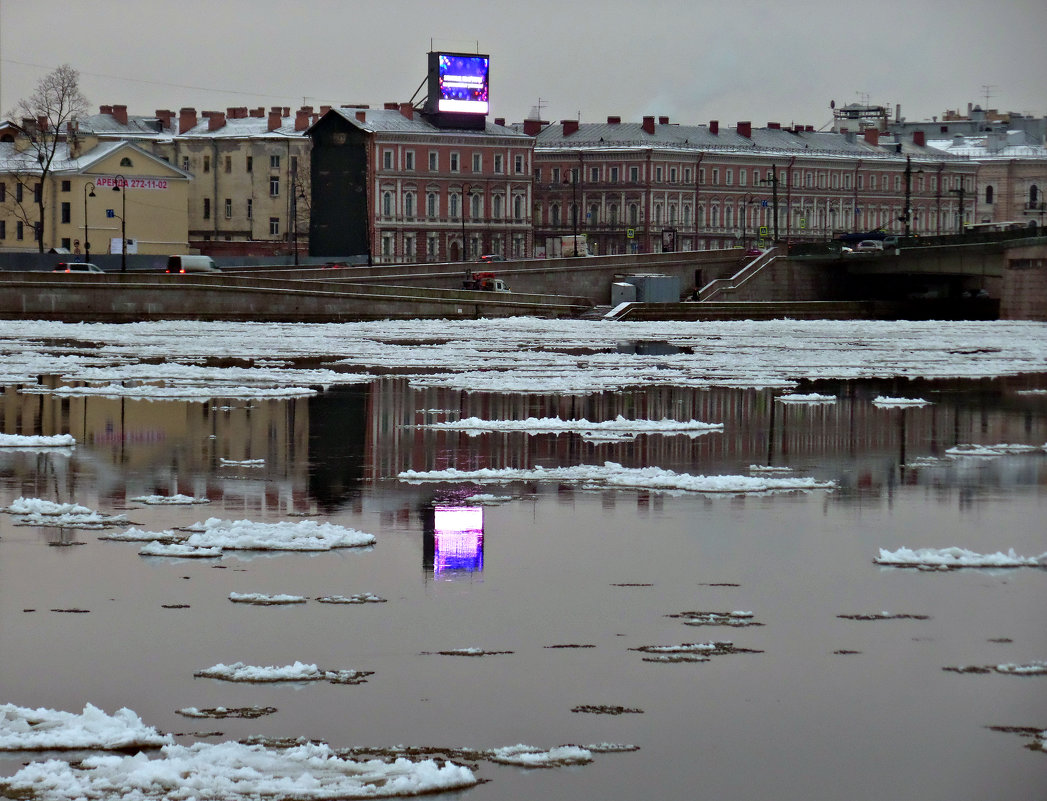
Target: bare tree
42, 120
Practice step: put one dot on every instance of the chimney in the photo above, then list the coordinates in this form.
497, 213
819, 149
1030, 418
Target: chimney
275, 118
614, 120
534, 127
714, 127
663, 120
105, 110
286, 111
257, 112
872, 136
407, 111
237, 113
919, 138
301, 119
774, 126
120, 112
361, 115
745, 129
186, 119
166, 118
41, 122
391, 106
569, 126
648, 124
324, 110
216, 121
499, 121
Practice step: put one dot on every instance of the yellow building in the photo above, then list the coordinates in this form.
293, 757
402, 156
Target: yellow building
96, 193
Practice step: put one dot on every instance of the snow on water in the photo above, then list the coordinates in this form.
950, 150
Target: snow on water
241, 462
261, 599
885, 402
530, 757
38, 512
176, 499
812, 399
299, 671
152, 392
993, 451
213, 536
233, 772
24, 729
520, 354
555, 425
953, 558
38, 506
611, 474
22, 441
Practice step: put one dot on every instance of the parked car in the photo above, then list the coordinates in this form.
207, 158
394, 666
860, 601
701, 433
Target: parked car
77, 267
869, 244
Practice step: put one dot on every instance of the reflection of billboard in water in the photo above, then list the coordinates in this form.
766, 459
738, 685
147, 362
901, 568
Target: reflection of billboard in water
462, 83
458, 539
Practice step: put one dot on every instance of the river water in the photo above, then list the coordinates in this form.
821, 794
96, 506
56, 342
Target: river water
558, 583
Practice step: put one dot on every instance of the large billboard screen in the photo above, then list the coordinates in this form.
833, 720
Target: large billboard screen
461, 82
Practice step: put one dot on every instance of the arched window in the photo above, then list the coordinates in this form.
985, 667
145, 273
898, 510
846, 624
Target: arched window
672, 214
387, 204
728, 215
454, 210
126, 162
594, 214
554, 214
634, 214
496, 207
988, 195
657, 213
1034, 196
475, 201
409, 204
612, 212
518, 206
430, 204
714, 216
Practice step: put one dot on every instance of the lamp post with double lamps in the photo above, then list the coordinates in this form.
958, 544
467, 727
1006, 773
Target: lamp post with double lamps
120, 185
87, 244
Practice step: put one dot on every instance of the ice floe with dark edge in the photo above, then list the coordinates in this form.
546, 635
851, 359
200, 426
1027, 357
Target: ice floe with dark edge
611, 474
216, 535
268, 674
955, 558
1009, 669
222, 712
162, 500
886, 402
234, 772
737, 619
25, 729
812, 399
619, 427
261, 599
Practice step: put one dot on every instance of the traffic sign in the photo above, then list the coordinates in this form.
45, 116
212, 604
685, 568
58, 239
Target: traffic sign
630, 233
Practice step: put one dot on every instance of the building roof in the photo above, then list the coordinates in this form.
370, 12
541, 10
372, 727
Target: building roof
386, 120
25, 161
991, 145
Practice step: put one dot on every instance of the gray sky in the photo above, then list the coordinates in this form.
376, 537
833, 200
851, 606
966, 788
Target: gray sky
691, 60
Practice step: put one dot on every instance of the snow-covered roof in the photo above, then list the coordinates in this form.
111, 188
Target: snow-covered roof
25, 161
383, 120
1000, 145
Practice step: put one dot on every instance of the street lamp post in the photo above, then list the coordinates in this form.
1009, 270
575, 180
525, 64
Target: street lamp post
773, 181
960, 193
121, 187
87, 244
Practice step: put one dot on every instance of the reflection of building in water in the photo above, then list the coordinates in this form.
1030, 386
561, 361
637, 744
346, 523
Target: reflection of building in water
453, 541
850, 436
168, 447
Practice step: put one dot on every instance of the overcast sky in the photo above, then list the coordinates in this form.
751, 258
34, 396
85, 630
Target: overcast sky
692, 60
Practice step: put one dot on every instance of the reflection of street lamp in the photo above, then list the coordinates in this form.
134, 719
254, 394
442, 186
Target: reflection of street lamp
87, 245
907, 214
121, 186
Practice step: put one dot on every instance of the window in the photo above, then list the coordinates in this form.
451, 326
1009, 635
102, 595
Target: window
518, 205
229, 208
387, 244
658, 174
897, 183
185, 163
672, 175
19, 230
36, 193
614, 175
518, 165
453, 206
475, 204
988, 195
594, 175
387, 204
499, 164
409, 204
66, 243
634, 214
207, 163
18, 193
294, 165
537, 175
387, 159
3, 191
409, 160
126, 162
434, 161
274, 226
66, 186
228, 163
432, 246
477, 162
250, 163
454, 162
3, 229
409, 245
250, 208
66, 213
594, 214
207, 208
634, 175
554, 214
496, 207
274, 162
743, 178
274, 186
728, 177
716, 176
430, 205
556, 175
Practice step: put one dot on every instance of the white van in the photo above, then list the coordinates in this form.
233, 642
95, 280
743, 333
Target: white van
191, 264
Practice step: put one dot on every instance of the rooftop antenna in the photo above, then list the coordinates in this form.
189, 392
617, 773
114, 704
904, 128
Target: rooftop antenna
541, 104
988, 91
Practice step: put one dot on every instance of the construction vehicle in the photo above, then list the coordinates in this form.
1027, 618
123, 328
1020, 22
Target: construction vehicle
484, 281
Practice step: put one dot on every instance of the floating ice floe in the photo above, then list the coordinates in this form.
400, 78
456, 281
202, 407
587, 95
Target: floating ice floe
768, 468
38, 512
618, 427
954, 558
218, 535
466, 652
359, 598
812, 399
1011, 669
299, 671
611, 474
690, 651
24, 729
885, 402
241, 462
161, 500
221, 712
484, 499
32, 441
992, 451
737, 619
260, 599
527, 756
233, 772
152, 392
